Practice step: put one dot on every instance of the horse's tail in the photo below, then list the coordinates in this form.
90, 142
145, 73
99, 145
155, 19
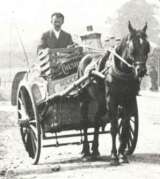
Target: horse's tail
85, 61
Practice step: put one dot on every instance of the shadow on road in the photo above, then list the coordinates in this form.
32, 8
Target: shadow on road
66, 165
79, 160
75, 164
146, 158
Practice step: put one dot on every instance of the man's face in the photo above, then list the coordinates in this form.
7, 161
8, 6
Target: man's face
57, 22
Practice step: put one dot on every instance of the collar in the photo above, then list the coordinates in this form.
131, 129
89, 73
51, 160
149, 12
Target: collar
57, 33
119, 74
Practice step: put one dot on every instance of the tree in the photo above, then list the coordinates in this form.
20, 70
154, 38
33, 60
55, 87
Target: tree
138, 12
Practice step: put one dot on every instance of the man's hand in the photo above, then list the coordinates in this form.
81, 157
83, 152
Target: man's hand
74, 45
43, 51
46, 50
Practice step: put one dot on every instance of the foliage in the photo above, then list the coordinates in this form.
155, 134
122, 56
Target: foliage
138, 12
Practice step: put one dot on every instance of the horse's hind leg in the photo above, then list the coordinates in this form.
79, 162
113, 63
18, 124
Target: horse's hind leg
85, 149
95, 151
84, 113
100, 112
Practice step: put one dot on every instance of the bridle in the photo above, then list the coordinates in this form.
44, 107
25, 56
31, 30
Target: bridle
134, 62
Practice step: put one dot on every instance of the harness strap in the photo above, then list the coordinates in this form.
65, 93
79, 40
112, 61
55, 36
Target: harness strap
115, 72
120, 58
109, 50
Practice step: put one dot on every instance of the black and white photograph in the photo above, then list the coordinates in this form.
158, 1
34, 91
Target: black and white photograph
79, 89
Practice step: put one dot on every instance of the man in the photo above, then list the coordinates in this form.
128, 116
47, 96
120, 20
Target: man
56, 37
154, 78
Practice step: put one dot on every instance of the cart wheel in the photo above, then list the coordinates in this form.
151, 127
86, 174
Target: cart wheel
29, 124
133, 130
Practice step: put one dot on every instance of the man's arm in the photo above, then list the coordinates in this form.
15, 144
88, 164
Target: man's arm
70, 41
43, 43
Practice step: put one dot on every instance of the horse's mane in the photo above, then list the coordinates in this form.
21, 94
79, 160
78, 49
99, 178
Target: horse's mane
120, 47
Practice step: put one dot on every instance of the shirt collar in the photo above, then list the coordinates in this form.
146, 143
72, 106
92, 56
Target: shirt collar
56, 33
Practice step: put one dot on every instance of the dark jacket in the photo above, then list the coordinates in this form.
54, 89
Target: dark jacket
49, 40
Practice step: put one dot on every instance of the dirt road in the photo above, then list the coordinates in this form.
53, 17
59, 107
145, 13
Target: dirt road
65, 162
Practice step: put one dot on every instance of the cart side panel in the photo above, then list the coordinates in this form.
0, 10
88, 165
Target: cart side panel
65, 115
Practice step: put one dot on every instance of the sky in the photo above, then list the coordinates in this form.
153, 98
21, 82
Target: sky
32, 17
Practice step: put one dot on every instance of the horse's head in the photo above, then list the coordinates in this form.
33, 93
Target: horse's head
134, 49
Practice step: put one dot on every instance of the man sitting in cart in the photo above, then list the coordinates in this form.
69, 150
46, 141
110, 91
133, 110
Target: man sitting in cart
56, 37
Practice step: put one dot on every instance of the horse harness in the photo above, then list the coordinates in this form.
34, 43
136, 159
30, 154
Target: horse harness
118, 82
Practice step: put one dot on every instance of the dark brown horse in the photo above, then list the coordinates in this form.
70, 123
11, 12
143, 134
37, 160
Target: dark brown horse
120, 89
122, 85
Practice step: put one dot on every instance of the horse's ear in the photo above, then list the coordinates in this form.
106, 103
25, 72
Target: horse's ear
130, 28
145, 28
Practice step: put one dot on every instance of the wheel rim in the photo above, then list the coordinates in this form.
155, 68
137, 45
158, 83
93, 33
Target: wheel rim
29, 125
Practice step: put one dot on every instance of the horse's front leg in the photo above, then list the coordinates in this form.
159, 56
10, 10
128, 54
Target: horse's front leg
124, 137
84, 113
114, 131
121, 151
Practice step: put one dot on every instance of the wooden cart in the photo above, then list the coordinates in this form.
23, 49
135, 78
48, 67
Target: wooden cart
48, 103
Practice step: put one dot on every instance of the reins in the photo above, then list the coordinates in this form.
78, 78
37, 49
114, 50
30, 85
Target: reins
112, 52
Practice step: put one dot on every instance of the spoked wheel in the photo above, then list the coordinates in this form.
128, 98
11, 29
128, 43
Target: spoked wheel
29, 124
132, 132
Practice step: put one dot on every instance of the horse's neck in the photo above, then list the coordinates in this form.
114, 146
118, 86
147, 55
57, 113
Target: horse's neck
117, 61
119, 64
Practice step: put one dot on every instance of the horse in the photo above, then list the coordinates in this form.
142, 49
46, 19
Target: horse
120, 87
122, 84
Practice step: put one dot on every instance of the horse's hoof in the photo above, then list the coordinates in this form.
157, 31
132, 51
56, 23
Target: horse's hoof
86, 158
95, 155
123, 158
86, 150
114, 162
